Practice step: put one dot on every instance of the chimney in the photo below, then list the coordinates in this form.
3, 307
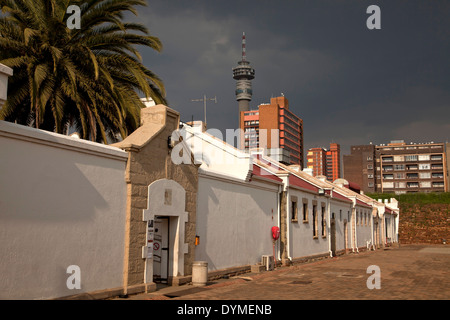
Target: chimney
342, 183
199, 126
322, 178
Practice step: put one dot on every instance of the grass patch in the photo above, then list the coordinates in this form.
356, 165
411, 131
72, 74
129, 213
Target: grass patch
415, 198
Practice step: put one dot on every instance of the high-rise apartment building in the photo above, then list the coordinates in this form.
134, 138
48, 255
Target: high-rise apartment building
334, 162
274, 126
325, 162
316, 159
447, 157
359, 167
406, 168
398, 167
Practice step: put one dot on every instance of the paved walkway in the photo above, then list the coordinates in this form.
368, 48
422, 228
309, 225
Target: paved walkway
415, 272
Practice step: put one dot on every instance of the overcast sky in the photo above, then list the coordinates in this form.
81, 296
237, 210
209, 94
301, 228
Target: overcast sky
349, 84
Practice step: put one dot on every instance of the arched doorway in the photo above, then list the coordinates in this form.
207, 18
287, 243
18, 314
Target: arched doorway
166, 218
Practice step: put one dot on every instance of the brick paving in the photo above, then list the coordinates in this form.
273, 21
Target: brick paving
409, 272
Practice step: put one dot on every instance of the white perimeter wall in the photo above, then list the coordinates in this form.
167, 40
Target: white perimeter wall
62, 203
363, 226
300, 235
234, 222
342, 212
390, 227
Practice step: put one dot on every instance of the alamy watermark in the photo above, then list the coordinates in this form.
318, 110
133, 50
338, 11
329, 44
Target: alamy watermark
374, 281
74, 21
74, 280
192, 147
373, 22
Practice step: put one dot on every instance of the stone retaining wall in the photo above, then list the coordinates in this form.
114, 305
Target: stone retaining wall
424, 223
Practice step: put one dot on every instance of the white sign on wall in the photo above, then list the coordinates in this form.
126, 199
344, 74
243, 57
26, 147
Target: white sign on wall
150, 237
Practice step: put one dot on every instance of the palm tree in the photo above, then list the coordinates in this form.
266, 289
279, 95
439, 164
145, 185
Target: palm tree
89, 78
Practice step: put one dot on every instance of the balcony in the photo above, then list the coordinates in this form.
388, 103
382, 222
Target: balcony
438, 185
412, 185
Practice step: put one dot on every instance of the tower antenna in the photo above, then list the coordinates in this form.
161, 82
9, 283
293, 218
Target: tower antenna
244, 52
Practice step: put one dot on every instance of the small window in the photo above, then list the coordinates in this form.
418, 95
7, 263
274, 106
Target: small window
315, 231
294, 209
305, 210
323, 223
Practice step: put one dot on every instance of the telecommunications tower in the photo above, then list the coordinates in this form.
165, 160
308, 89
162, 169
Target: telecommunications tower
243, 73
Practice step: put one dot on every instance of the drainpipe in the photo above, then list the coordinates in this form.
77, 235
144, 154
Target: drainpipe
355, 236
371, 225
284, 223
356, 233
280, 190
329, 222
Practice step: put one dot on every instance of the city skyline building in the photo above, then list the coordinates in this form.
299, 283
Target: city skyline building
325, 162
333, 162
398, 167
274, 128
405, 168
359, 167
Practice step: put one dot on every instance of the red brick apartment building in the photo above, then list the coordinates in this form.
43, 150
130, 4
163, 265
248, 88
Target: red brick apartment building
359, 167
275, 115
325, 162
398, 167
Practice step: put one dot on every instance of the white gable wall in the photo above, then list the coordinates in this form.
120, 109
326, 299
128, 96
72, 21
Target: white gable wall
234, 222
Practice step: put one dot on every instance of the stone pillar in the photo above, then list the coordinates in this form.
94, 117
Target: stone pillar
283, 229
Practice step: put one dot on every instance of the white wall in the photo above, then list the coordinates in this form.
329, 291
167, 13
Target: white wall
342, 212
390, 227
234, 221
363, 226
62, 203
300, 235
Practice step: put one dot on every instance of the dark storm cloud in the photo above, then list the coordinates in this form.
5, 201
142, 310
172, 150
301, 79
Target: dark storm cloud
350, 85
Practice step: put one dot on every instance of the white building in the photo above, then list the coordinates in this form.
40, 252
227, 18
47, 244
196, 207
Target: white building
242, 196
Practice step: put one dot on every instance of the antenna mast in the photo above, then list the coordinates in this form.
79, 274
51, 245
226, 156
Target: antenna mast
244, 52
204, 101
